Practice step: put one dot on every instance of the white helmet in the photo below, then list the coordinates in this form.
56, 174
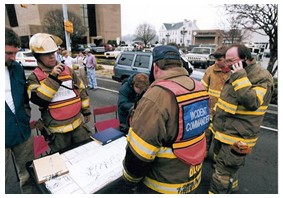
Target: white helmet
43, 43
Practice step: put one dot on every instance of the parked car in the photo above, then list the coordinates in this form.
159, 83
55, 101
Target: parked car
128, 63
96, 49
116, 52
78, 47
200, 56
26, 59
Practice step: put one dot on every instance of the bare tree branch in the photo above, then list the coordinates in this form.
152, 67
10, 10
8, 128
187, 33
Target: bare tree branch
256, 17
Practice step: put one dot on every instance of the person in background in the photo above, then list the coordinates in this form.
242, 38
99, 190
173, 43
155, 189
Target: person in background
90, 68
213, 80
130, 92
239, 113
166, 147
59, 93
18, 139
58, 54
82, 67
68, 60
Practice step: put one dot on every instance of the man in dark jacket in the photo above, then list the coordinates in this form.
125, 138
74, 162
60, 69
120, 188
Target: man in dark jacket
18, 139
129, 93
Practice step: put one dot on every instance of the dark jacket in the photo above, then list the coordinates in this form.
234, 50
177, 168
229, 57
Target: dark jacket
126, 99
17, 129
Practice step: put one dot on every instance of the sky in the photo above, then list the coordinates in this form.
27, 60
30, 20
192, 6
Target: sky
206, 16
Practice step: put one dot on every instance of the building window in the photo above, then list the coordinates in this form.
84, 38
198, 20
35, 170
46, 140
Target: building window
84, 14
12, 16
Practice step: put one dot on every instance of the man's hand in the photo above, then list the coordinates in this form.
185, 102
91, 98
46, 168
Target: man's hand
237, 66
57, 70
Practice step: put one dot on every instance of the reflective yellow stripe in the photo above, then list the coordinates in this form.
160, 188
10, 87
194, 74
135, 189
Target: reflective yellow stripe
82, 86
241, 83
51, 106
204, 84
241, 110
47, 91
167, 188
130, 178
85, 103
31, 87
235, 184
214, 93
260, 92
225, 106
211, 128
228, 139
64, 77
142, 148
188, 143
191, 96
66, 128
166, 152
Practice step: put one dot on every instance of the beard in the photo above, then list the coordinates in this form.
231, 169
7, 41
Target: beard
8, 63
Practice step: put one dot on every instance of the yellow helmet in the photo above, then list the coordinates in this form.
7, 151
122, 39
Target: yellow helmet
43, 43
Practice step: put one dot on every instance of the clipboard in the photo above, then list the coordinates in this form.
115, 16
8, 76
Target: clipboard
49, 167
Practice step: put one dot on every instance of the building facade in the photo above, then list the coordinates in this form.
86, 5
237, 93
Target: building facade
103, 21
179, 33
207, 37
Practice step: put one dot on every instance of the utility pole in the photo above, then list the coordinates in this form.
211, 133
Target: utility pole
67, 35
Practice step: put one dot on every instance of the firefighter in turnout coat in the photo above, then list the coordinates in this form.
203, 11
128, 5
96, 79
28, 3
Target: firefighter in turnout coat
166, 140
239, 113
59, 93
213, 80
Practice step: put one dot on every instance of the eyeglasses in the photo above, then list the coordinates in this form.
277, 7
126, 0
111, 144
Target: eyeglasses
231, 61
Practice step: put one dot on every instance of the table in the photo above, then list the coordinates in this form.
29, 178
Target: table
93, 168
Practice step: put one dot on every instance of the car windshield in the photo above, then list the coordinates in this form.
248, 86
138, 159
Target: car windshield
29, 54
200, 50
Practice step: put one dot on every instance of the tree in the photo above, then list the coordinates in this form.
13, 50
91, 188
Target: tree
145, 33
255, 17
54, 24
235, 33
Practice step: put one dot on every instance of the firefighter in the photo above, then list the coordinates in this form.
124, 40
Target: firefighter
59, 93
213, 80
166, 140
239, 113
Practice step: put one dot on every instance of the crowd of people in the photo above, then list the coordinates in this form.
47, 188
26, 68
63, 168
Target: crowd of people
170, 122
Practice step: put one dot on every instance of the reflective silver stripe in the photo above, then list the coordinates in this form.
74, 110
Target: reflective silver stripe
142, 148
241, 83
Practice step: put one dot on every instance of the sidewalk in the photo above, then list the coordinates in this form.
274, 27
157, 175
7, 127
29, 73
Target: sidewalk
106, 72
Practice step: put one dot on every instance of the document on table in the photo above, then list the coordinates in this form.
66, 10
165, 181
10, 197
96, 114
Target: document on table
91, 167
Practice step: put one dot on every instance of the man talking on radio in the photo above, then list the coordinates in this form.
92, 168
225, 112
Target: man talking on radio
59, 93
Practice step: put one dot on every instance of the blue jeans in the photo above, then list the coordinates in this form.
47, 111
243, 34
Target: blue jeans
91, 77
